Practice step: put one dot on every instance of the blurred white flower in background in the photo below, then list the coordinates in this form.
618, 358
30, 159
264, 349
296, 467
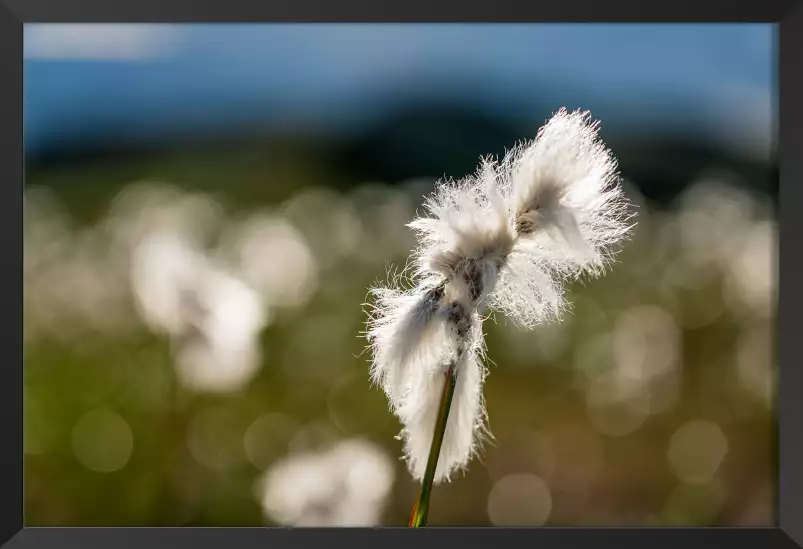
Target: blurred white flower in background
143, 208
729, 229
726, 230
221, 350
272, 256
646, 344
329, 223
713, 216
345, 485
175, 260
213, 318
163, 269
72, 287
750, 278
213, 302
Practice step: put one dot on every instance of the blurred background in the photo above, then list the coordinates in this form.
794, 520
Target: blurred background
206, 206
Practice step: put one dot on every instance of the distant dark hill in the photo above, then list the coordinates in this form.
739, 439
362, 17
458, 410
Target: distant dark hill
426, 140
663, 166
418, 140
430, 140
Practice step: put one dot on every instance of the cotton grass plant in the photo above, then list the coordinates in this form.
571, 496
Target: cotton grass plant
504, 239
346, 484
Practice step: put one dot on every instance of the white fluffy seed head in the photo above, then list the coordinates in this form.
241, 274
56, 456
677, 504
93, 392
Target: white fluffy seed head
567, 206
466, 425
468, 221
565, 192
506, 238
347, 484
405, 335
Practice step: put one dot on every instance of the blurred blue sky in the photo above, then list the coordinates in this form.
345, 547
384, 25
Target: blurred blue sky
139, 81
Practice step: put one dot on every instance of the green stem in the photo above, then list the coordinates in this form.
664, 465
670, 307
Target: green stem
418, 518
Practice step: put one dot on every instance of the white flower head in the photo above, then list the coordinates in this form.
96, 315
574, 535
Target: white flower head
345, 485
212, 318
505, 239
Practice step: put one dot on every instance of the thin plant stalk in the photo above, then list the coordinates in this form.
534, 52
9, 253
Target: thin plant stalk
418, 518
506, 238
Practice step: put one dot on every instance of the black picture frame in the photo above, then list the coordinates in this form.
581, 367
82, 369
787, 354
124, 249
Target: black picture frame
789, 30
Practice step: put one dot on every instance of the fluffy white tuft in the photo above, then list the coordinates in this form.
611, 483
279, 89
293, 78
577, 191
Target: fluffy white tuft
404, 336
347, 484
465, 426
469, 221
564, 191
506, 238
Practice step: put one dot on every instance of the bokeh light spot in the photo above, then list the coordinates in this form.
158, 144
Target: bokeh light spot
696, 451
521, 499
102, 441
268, 437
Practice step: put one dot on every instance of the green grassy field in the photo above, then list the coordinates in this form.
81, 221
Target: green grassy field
679, 331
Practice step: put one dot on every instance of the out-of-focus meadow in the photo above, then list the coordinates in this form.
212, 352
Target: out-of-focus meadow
193, 312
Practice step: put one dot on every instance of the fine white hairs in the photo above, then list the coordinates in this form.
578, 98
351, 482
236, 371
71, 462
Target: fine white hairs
506, 238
